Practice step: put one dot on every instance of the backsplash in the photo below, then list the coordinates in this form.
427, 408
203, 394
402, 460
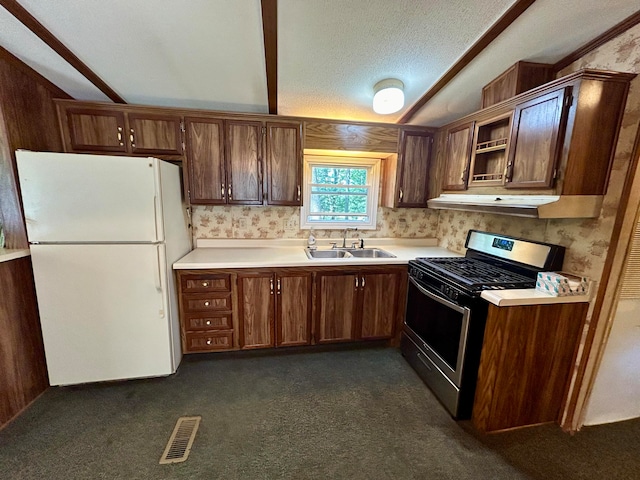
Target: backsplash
283, 222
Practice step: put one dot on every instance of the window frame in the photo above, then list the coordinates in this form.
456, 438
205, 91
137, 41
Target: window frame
373, 183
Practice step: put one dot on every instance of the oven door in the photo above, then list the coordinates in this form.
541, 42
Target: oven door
439, 327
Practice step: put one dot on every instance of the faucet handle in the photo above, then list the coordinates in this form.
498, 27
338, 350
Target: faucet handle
333, 244
361, 242
354, 244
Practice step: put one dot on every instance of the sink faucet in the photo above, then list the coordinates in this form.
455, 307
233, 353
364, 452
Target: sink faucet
344, 236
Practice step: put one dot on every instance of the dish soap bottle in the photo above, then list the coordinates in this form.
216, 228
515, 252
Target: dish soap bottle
311, 241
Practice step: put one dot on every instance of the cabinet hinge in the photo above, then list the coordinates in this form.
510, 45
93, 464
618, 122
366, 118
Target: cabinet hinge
264, 130
555, 173
568, 101
189, 196
182, 127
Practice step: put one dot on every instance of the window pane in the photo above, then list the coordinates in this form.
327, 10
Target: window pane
338, 218
344, 190
338, 203
339, 175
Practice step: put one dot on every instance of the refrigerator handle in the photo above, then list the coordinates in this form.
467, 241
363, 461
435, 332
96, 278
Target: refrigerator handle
155, 215
158, 279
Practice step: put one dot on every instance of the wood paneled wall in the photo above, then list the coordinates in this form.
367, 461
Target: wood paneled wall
27, 120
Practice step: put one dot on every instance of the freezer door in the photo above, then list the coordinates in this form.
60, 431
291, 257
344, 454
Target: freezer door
89, 198
104, 312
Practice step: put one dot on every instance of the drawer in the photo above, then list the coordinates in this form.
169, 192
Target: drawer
206, 283
208, 341
220, 321
207, 302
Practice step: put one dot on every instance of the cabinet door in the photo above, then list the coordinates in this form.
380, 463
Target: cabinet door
337, 294
293, 309
94, 130
256, 310
457, 157
205, 160
244, 162
379, 304
284, 163
155, 134
415, 155
536, 140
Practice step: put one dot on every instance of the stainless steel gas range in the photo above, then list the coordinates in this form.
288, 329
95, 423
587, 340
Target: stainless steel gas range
446, 316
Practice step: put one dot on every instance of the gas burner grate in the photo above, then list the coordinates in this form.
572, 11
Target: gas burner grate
474, 272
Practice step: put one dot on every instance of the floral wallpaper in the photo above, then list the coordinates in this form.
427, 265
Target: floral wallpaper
586, 240
283, 222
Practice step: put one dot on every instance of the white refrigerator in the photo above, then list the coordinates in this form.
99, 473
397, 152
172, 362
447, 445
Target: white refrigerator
104, 232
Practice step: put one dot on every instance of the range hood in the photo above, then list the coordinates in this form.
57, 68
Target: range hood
530, 206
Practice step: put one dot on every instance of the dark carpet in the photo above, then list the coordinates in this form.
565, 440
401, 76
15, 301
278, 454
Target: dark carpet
346, 414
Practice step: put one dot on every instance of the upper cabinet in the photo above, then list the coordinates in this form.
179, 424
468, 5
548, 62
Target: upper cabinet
406, 175
458, 156
536, 140
558, 139
518, 78
243, 151
284, 163
107, 130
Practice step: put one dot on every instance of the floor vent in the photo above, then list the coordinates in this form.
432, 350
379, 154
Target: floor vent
181, 440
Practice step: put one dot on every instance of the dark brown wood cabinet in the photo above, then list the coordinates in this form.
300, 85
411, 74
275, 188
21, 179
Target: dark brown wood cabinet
357, 304
527, 356
520, 77
96, 130
536, 140
206, 171
407, 175
561, 140
458, 156
284, 163
206, 311
244, 162
274, 308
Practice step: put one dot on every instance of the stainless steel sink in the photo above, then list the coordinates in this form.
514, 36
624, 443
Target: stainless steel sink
333, 253
370, 253
349, 253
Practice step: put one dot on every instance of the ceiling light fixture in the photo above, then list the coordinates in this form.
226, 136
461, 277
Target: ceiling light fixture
388, 96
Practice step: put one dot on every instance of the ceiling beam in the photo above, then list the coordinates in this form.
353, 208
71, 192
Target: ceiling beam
610, 34
270, 33
496, 29
29, 21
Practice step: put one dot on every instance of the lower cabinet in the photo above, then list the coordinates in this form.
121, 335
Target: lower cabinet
274, 308
266, 308
358, 304
526, 363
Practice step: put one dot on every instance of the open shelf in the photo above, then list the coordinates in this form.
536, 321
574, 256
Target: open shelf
492, 145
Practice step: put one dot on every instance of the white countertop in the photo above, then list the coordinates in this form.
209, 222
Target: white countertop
259, 253
255, 253
528, 296
7, 254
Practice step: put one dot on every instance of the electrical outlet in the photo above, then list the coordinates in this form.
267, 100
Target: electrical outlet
242, 223
291, 225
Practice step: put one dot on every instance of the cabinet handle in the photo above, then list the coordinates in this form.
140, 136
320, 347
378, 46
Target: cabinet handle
463, 178
120, 136
357, 281
298, 192
271, 285
222, 190
362, 282
229, 191
208, 341
208, 322
279, 287
400, 195
206, 304
205, 284
132, 138
509, 172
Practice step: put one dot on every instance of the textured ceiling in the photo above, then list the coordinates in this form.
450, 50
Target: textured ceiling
209, 53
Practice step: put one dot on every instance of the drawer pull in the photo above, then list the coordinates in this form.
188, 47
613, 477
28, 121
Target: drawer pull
205, 284
208, 322
206, 304
208, 341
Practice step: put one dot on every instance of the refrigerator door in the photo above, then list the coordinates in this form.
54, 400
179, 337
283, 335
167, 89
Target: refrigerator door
104, 311
73, 198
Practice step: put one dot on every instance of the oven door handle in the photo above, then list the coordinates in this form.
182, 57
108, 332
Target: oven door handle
436, 297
